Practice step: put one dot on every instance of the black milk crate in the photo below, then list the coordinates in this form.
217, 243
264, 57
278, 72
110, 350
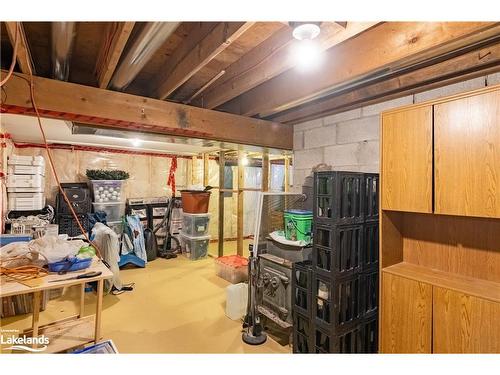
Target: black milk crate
68, 225
338, 197
347, 341
337, 302
338, 250
302, 287
302, 333
370, 246
370, 286
356, 338
371, 196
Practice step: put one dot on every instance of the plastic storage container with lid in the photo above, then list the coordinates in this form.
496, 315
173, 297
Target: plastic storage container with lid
114, 211
107, 191
26, 201
26, 160
25, 181
194, 247
233, 268
26, 169
195, 224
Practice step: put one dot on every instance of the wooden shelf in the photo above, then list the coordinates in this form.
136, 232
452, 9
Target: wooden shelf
476, 287
67, 334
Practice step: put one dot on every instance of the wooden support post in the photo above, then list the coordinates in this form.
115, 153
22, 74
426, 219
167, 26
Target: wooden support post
265, 171
205, 169
240, 210
82, 300
287, 174
98, 311
37, 297
222, 163
194, 177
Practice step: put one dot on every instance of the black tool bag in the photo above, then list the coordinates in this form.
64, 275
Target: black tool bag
151, 244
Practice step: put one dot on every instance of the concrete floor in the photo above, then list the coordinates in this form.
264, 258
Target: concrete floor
177, 307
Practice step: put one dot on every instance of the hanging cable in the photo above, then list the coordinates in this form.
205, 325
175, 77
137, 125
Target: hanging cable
51, 161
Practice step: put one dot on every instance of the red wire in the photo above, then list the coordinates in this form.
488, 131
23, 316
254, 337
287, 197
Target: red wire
51, 161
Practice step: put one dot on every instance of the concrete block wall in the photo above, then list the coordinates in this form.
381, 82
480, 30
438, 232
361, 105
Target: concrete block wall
349, 140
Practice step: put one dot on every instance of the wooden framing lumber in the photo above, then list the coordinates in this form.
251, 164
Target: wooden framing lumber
240, 204
23, 54
114, 42
107, 108
222, 163
269, 59
214, 43
471, 64
386, 46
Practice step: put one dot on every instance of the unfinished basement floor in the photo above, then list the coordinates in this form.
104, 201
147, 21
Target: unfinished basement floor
177, 307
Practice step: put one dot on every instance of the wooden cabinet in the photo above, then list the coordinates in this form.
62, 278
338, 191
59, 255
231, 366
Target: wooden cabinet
464, 323
406, 171
467, 156
406, 315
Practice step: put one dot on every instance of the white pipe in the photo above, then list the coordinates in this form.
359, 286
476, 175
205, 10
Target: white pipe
147, 42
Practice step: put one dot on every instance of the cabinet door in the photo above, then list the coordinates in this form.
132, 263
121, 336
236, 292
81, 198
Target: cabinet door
406, 315
467, 156
407, 160
464, 323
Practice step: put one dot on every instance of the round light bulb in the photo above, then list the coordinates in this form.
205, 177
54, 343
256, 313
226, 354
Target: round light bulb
306, 31
306, 55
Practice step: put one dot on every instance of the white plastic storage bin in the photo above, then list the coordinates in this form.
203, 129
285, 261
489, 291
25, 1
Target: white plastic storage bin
26, 169
114, 211
195, 224
26, 201
194, 247
25, 181
26, 160
233, 268
107, 191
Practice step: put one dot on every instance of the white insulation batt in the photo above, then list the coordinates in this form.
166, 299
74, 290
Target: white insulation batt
149, 175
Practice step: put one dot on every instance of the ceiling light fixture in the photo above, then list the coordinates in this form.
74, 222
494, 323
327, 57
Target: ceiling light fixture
305, 30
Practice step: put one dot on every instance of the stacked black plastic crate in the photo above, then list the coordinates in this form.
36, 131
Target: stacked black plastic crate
342, 281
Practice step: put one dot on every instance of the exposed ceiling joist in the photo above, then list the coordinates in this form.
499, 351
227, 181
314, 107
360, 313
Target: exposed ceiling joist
385, 46
469, 65
69, 101
208, 48
271, 58
23, 54
112, 47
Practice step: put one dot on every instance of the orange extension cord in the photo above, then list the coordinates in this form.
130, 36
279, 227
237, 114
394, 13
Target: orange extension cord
47, 148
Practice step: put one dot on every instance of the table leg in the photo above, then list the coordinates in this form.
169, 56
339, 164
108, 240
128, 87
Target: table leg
82, 300
100, 289
37, 296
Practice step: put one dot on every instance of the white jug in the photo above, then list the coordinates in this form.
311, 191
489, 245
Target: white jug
236, 301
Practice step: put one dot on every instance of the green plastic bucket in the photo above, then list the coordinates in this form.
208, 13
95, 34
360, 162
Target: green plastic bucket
298, 225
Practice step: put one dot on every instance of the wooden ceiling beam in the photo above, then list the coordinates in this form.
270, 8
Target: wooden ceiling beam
385, 47
207, 49
23, 53
112, 48
472, 64
271, 58
73, 102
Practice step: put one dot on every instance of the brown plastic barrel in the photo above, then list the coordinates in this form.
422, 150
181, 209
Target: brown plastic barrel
195, 202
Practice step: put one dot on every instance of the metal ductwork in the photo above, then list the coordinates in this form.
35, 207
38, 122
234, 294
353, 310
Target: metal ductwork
146, 43
63, 36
